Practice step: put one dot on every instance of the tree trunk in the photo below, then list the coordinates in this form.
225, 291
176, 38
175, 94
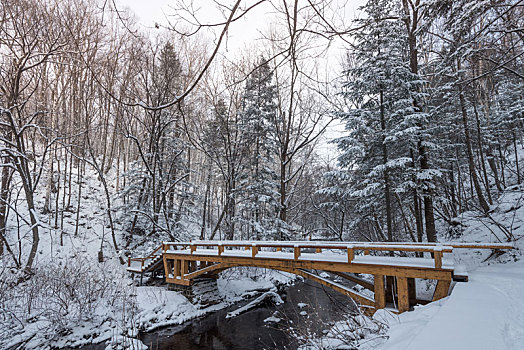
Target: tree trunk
4, 197
482, 201
481, 154
516, 157
386, 170
411, 20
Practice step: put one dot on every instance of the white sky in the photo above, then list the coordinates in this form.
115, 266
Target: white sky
241, 32
244, 32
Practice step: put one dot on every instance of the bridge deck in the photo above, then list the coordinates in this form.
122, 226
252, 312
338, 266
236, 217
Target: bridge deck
447, 264
394, 265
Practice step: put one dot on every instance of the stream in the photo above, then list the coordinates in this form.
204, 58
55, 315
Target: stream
249, 331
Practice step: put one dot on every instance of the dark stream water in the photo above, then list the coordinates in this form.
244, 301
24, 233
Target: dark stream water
249, 331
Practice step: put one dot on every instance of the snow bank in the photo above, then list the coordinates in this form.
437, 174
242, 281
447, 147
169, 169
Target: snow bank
160, 307
485, 313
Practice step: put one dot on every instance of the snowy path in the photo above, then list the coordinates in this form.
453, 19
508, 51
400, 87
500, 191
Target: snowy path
485, 313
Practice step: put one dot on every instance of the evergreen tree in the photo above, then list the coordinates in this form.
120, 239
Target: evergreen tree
383, 125
259, 188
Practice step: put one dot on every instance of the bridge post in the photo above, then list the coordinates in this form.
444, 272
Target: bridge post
351, 254
254, 250
177, 269
296, 252
441, 290
438, 257
380, 292
183, 268
403, 294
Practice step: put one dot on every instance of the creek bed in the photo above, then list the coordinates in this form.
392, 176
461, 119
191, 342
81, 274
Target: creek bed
249, 331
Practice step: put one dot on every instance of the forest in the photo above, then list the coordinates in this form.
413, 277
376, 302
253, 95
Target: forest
183, 140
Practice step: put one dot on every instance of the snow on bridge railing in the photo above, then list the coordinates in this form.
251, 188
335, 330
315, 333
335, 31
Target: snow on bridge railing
297, 246
314, 244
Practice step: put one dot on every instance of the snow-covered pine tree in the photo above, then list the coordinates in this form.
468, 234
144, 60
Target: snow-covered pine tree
258, 196
382, 123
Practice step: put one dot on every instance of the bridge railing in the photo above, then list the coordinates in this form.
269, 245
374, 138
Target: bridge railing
297, 248
144, 260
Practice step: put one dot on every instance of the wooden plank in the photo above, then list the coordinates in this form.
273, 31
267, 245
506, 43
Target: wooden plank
214, 267
412, 246
179, 281
380, 292
400, 248
166, 266
403, 294
441, 290
254, 251
184, 267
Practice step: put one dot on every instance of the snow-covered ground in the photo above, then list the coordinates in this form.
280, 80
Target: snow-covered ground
135, 309
487, 312
73, 300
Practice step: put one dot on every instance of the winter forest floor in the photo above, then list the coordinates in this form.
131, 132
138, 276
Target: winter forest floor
485, 313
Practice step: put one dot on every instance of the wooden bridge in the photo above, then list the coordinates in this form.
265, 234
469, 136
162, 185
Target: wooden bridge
394, 265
